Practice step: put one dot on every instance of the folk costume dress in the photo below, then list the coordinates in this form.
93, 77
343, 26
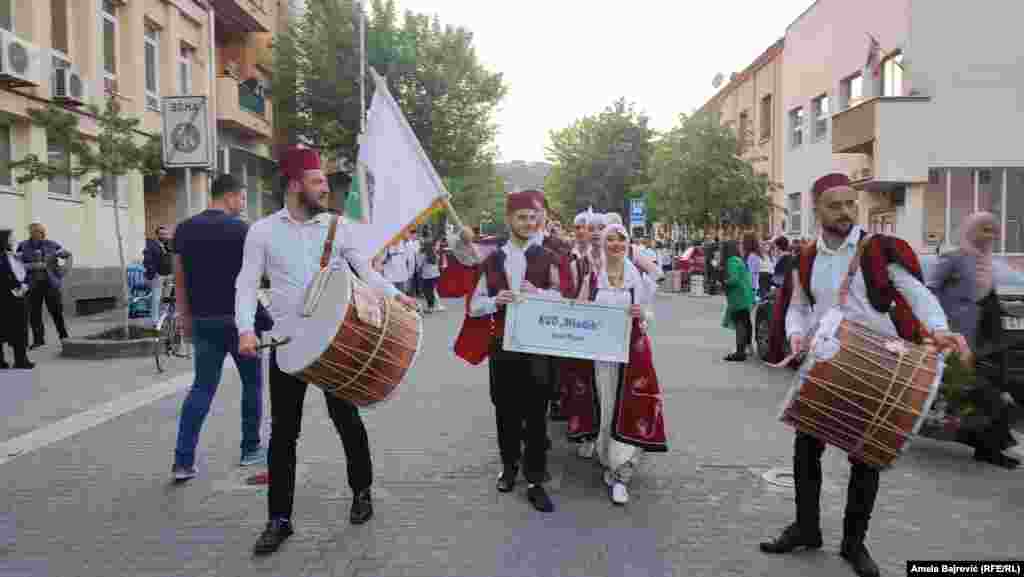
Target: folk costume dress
620, 410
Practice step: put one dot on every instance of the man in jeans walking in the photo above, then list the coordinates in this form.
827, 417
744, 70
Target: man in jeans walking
208, 257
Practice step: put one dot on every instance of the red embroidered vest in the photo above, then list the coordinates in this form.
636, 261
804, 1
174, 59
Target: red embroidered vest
539, 262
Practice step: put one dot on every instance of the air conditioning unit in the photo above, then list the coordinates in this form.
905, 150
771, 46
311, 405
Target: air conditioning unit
19, 61
68, 87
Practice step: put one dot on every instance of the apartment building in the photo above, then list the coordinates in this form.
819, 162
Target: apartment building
751, 104
81, 52
243, 30
928, 139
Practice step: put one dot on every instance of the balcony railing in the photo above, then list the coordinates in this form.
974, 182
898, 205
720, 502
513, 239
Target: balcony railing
242, 106
250, 97
890, 132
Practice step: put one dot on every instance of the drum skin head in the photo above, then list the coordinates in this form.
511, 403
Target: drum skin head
312, 336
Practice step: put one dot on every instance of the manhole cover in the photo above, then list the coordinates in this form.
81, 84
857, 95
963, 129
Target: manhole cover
782, 477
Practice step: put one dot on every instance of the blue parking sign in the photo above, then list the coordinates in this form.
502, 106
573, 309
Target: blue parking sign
637, 212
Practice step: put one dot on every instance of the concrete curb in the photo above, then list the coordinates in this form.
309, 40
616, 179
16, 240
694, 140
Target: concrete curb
107, 349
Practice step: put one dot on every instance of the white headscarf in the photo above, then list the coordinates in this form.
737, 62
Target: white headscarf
612, 218
599, 219
584, 218
632, 278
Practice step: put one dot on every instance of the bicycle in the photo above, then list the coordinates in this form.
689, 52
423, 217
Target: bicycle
169, 340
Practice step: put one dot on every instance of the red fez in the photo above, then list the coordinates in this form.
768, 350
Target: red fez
829, 181
539, 197
298, 160
521, 201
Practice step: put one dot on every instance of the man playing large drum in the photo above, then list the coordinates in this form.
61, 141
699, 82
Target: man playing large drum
286, 246
519, 386
886, 295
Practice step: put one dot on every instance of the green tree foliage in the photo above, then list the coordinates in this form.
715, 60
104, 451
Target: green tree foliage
447, 95
600, 159
699, 178
118, 149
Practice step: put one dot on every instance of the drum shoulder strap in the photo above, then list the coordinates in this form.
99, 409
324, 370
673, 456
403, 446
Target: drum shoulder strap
851, 272
332, 230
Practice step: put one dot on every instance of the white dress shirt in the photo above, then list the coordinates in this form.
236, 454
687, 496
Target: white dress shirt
830, 267
288, 252
482, 304
396, 262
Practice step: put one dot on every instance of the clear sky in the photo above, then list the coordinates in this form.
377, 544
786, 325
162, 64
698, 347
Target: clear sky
564, 59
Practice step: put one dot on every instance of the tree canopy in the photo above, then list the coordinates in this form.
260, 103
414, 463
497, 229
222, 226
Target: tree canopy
601, 159
699, 178
432, 70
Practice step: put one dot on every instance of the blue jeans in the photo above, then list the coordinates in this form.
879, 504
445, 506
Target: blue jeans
213, 339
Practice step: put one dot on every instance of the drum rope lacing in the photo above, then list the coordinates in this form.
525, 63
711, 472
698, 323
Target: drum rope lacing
357, 355
890, 400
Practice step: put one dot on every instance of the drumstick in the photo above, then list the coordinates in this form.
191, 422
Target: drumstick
273, 344
784, 362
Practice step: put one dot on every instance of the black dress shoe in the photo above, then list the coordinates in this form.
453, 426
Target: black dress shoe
996, 458
507, 479
539, 499
26, 364
736, 357
4, 365
362, 508
792, 538
856, 554
272, 536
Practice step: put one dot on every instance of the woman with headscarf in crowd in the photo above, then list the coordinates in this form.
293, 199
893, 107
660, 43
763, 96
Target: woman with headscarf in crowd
739, 296
964, 282
626, 419
13, 286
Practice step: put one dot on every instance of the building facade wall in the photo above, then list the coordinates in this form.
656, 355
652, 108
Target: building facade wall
824, 46
72, 31
744, 94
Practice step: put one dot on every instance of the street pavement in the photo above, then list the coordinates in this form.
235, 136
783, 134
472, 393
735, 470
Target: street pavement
99, 502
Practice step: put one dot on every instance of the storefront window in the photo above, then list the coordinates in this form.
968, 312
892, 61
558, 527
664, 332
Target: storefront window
990, 194
1013, 234
961, 200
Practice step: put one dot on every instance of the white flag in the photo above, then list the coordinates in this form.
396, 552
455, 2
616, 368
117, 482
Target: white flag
401, 182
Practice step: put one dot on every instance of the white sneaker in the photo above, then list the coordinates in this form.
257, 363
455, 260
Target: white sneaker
620, 495
585, 450
440, 308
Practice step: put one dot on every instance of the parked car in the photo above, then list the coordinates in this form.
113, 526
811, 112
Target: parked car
1007, 366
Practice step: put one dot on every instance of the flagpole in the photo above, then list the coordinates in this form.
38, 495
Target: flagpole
361, 140
362, 69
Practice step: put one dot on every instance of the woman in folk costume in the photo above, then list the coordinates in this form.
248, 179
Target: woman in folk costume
626, 419
965, 283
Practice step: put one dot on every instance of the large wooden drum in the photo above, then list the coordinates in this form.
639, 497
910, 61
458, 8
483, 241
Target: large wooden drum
355, 343
862, 391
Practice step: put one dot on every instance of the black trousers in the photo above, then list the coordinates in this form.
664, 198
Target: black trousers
744, 330
996, 437
14, 330
520, 400
428, 285
860, 493
287, 394
44, 292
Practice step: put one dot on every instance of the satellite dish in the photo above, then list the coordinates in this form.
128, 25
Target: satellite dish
717, 81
